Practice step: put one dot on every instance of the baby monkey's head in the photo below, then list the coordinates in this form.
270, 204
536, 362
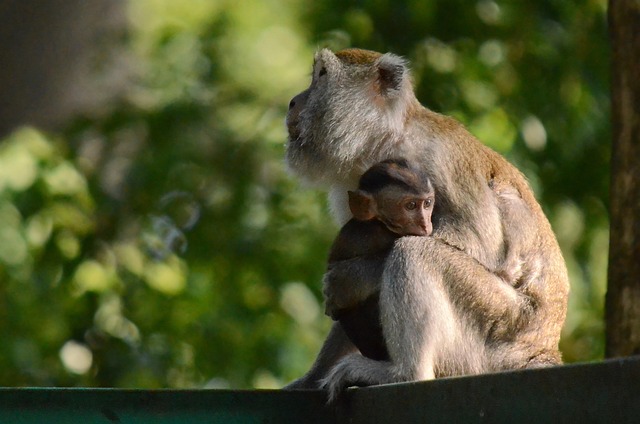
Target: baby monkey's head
398, 195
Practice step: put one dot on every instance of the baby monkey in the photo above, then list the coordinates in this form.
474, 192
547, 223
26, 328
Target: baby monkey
393, 200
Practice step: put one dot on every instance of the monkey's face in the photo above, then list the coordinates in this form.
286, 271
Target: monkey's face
403, 213
354, 108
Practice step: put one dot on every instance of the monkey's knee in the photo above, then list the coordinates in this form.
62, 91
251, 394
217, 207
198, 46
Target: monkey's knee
406, 262
412, 276
409, 246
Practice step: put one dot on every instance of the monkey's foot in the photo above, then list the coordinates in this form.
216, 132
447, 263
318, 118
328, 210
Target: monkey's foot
356, 370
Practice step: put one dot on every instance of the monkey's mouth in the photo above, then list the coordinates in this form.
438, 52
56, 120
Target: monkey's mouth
404, 230
294, 137
294, 134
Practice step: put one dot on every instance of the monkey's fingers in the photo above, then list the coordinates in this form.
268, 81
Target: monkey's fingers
334, 387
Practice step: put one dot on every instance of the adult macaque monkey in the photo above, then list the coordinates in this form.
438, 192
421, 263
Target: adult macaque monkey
393, 200
444, 309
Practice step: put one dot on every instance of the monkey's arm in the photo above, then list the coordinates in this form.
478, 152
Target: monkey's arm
336, 346
481, 295
349, 282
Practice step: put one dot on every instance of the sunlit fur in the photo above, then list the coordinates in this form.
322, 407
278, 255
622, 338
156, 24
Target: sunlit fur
356, 117
486, 292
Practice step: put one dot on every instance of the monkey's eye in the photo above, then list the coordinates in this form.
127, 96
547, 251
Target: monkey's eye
410, 205
428, 203
323, 71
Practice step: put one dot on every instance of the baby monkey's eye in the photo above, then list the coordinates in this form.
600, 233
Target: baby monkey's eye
410, 205
323, 71
427, 203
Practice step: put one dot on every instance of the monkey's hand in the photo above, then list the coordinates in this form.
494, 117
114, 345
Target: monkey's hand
348, 283
513, 269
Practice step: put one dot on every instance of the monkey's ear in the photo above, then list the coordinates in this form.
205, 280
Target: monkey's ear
362, 205
392, 73
328, 60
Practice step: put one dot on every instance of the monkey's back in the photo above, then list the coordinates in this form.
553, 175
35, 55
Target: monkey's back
362, 322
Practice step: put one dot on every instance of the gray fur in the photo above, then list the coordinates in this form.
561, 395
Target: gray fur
487, 292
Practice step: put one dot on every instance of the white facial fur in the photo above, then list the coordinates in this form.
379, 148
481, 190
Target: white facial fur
347, 119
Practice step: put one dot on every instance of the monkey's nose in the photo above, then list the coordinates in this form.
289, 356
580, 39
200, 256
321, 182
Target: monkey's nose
428, 229
423, 230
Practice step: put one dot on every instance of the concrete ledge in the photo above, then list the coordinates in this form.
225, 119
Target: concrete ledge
604, 392
86, 406
585, 393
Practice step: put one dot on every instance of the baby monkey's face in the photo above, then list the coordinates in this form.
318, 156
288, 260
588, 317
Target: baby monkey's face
403, 212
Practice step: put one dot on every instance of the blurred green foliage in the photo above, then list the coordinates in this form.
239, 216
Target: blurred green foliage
162, 244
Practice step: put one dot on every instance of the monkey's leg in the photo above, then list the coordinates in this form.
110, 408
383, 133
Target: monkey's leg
335, 347
419, 325
438, 306
427, 329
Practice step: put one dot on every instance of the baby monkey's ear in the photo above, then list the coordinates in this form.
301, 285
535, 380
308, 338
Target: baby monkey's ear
392, 74
362, 205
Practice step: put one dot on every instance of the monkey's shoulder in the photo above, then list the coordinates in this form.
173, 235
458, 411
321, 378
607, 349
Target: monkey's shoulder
360, 238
